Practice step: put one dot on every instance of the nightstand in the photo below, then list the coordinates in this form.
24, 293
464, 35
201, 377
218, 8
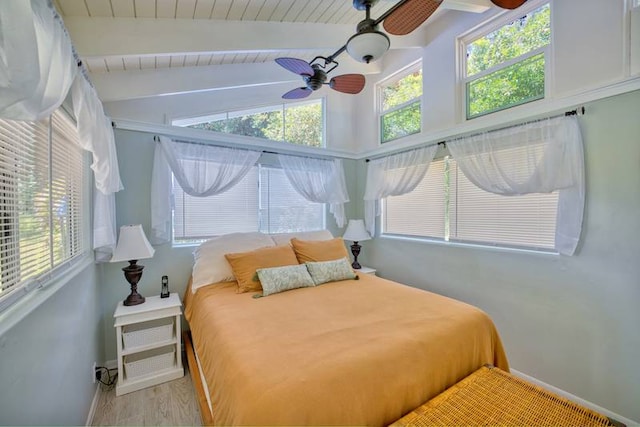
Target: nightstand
148, 342
366, 270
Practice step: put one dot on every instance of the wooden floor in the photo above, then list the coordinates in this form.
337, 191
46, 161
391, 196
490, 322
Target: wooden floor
171, 403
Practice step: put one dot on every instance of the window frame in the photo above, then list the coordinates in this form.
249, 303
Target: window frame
256, 109
390, 80
55, 273
262, 163
449, 240
493, 24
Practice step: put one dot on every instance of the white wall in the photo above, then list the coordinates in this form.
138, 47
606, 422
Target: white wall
46, 358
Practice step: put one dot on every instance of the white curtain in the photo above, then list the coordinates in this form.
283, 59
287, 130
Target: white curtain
538, 157
201, 170
319, 181
393, 176
37, 64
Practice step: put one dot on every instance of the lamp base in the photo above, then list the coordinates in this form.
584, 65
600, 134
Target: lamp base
134, 298
355, 250
133, 273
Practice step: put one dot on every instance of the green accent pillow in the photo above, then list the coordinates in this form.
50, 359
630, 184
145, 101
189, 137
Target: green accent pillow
279, 279
330, 271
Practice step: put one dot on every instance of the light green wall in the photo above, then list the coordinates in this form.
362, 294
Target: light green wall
46, 358
135, 157
572, 322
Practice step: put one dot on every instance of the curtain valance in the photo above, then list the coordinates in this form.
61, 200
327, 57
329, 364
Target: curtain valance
201, 170
319, 181
538, 157
394, 175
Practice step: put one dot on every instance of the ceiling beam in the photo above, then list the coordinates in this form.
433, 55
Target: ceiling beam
126, 85
98, 37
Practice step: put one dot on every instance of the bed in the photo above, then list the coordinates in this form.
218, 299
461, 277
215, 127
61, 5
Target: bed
362, 351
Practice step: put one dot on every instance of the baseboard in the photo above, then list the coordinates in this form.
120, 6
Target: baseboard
575, 399
94, 405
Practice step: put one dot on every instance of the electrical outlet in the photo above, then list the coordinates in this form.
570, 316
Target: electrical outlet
94, 372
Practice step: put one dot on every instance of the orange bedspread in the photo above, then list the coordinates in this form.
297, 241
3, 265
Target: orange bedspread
356, 352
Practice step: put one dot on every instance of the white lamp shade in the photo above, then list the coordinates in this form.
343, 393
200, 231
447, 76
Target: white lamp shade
356, 232
368, 46
132, 244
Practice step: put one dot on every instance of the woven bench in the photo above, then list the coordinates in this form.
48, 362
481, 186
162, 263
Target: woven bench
493, 397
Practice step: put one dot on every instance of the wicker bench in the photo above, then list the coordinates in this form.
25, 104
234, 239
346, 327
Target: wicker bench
493, 397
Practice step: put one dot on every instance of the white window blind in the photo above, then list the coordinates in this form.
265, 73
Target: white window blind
446, 205
420, 212
42, 199
198, 218
282, 209
263, 201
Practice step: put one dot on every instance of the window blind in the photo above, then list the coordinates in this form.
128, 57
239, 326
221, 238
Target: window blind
282, 209
42, 199
198, 218
420, 212
446, 205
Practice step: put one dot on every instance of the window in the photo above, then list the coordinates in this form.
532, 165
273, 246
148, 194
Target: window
299, 123
447, 206
505, 66
400, 105
43, 190
263, 201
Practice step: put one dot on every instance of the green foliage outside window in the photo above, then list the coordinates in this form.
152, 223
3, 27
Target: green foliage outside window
298, 124
401, 111
515, 84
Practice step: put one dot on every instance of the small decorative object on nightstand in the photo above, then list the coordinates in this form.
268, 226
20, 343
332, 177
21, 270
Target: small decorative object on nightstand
165, 287
132, 246
148, 343
355, 233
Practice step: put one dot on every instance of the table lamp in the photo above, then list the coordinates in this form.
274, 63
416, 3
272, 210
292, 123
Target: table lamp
132, 246
355, 233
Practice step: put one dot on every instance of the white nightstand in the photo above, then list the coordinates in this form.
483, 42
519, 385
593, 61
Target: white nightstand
148, 341
366, 270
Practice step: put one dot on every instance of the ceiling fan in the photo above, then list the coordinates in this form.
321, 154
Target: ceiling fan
367, 45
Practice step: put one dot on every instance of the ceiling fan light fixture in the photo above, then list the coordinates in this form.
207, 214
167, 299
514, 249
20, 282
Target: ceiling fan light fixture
368, 46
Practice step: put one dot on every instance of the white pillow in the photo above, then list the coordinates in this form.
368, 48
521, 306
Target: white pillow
210, 264
285, 238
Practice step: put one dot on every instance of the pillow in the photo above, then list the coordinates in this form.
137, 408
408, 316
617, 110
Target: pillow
323, 250
210, 264
280, 279
245, 264
285, 238
330, 271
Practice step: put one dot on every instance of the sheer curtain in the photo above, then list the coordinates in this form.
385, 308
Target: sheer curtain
393, 176
319, 181
38, 70
538, 157
201, 170
37, 65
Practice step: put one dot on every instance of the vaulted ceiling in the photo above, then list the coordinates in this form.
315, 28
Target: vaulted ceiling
142, 48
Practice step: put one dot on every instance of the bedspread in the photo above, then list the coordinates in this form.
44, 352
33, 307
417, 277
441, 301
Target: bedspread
354, 352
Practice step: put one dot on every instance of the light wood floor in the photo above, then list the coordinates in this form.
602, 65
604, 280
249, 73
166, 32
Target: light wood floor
171, 403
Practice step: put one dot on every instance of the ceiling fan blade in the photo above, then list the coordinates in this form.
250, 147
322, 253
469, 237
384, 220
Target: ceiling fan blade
297, 93
509, 4
347, 83
409, 16
296, 65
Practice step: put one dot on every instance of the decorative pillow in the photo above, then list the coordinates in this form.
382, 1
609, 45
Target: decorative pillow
330, 271
285, 238
245, 264
210, 264
323, 250
280, 279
